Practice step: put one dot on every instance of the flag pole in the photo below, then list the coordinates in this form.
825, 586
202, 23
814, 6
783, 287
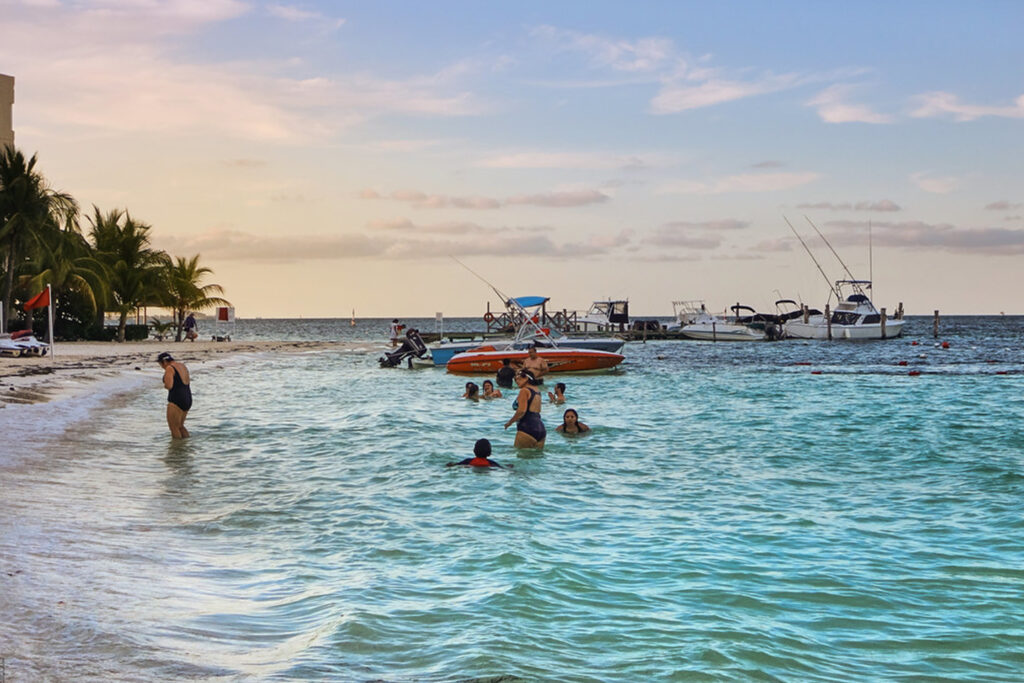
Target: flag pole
49, 318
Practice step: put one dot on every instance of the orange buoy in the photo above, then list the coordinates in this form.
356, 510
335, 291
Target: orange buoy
914, 373
902, 362
945, 345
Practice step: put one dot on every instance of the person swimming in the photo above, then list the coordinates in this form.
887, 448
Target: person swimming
472, 391
481, 457
571, 423
489, 391
530, 430
559, 395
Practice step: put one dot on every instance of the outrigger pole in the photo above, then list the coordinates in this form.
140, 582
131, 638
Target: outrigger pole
831, 287
829, 245
507, 301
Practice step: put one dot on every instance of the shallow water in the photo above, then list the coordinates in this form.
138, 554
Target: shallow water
733, 515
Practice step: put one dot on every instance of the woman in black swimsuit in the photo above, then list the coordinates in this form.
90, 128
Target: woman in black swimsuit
530, 432
179, 394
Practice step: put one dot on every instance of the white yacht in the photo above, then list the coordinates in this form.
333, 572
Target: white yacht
854, 317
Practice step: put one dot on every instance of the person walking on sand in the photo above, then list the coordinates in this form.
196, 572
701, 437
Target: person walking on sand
395, 329
191, 328
179, 394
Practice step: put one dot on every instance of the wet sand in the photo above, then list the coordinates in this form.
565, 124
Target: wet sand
76, 366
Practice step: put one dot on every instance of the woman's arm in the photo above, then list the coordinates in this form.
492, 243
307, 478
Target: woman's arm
168, 377
523, 403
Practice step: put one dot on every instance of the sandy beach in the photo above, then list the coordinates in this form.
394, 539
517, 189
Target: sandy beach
77, 365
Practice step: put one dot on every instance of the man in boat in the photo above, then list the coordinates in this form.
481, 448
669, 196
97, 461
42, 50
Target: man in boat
535, 364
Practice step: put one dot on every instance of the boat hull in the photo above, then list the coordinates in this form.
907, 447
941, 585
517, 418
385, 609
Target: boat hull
559, 360
721, 332
445, 352
798, 329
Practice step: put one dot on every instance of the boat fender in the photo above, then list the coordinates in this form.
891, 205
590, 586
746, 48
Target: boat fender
488, 317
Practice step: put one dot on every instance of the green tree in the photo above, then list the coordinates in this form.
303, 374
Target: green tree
133, 267
64, 260
28, 206
185, 291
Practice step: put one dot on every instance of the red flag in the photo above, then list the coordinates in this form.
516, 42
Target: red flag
39, 300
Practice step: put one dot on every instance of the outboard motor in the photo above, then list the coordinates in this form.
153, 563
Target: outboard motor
411, 346
774, 331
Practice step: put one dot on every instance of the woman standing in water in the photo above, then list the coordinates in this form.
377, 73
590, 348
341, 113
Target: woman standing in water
530, 432
179, 394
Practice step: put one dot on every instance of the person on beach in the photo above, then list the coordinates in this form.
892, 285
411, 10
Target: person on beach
179, 394
395, 329
506, 374
571, 423
489, 390
559, 396
191, 328
472, 391
481, 456
530, 430
537, 366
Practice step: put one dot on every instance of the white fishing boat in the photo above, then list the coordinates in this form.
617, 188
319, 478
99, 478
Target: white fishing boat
707, 327
685, 313
606, 315
854, 317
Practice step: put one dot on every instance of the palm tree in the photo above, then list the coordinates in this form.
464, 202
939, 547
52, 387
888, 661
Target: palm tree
27, 207
133, 268
64, 260
184, 293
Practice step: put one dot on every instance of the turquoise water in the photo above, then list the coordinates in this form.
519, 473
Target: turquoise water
733, 516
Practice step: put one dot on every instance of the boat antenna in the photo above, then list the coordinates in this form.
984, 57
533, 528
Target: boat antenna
481, 278
871, 263
834, 253
831, 287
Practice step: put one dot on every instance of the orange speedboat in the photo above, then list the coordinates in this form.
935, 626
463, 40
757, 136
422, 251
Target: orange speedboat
487, 360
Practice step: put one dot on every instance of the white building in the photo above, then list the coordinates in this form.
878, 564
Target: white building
6, 109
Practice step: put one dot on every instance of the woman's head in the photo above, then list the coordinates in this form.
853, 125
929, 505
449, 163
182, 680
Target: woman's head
570, 416
526, 376
488, 385
471, 388
164, 357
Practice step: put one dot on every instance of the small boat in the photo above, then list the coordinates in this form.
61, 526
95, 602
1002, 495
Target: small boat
488, 360
605, 315
855, 317
22, 343
353, 321
443, 352
685, 313
709, 327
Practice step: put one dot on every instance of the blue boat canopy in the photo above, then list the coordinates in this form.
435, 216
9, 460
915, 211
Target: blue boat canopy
530, 301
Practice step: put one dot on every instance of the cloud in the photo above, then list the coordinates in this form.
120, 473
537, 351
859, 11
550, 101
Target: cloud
935, 185
643, 55
724, 224
833, 107
297, 14
446, 228
883, 205
561, 199
936, 236
681, 96
1003, 205
744, 182
669, 236
944, 104
768, 164
570, 160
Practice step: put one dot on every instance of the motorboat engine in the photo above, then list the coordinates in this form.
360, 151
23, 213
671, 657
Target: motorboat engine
411, 346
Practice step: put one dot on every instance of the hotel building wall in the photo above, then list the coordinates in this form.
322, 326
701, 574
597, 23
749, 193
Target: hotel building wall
6, 109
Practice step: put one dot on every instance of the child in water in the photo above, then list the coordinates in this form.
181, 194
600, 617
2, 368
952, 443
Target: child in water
481, 456
472, 391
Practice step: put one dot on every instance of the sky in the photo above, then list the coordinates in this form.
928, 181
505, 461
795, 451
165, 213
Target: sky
325, 157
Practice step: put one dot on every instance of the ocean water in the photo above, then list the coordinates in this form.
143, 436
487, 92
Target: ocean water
803, 511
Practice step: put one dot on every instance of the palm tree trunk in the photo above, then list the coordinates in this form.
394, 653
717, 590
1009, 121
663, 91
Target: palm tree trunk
8, 301
121, 326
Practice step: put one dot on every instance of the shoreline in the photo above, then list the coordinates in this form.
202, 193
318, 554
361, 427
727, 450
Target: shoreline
78, 366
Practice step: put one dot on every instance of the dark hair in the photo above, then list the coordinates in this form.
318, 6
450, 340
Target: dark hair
487, 381
505, 361
472, 388
482, 448
570, 410
560, 387
164, 356
527, 374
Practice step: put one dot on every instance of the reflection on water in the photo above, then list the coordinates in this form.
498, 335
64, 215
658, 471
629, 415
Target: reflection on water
732, 516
